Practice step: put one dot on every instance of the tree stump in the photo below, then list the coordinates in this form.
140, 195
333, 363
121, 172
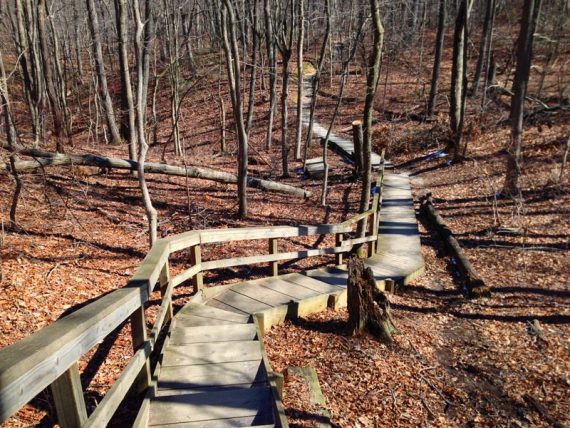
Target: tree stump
368, 307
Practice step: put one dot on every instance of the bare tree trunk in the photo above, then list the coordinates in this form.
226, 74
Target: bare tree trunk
316, 80
233, 68
11, 137
484, 43
300, 41
459, 77
437, 57
254, 61
104, 94
371, 85
58, 121
128, 124
141, 46
531, 10
272, 63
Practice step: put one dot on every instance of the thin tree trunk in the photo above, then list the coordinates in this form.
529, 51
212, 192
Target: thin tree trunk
437, 57
58, 121
11, 137
285, 115
371, 85
300, 41
484, 43
272, 64
459, 77
316, 80
529, 20
104, 94
254, 61
233, 68
128, 124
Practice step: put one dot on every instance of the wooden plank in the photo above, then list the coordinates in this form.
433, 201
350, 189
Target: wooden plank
210, 353
248, 233
334, 277
211, 313
310, 282
196, 260
212, 333
213, 409
68, 398
288, 288
265, 295
241, 302
205, 375
221, 305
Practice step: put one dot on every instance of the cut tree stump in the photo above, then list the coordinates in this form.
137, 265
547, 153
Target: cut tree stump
368, 307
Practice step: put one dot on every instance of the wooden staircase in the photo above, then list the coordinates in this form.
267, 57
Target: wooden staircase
212, 369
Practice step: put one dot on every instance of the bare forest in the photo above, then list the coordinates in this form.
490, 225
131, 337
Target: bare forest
154, 153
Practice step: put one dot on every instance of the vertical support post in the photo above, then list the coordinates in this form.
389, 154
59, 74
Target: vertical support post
139, 336
373, 231
68, 397
338, 243
164, 279
196, 259
273, 249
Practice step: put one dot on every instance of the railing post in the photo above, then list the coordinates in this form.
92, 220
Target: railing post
372, 232
164, 279
196, 259
338, 242
139, 337
273, 249
68, 397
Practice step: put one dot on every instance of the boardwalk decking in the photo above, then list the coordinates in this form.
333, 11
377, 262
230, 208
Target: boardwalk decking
214, 371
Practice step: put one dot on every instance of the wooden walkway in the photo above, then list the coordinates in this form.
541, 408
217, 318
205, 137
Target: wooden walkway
214, 371
341, 145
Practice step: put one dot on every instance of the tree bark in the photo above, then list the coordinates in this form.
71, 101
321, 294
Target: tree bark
300, 41
128, 121
368, 307
530, 14
58, 121
437, 57
485, 43
272, 65
371, 85
101, 73
12, 138
459, 77
233, 68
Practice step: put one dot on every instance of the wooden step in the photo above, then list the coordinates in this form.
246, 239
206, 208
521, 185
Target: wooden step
243, 407
240, 302
210, 334
202, 376
198, 314
211, 353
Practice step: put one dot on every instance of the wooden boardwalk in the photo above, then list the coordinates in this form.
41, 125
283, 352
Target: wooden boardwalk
341, 145
214, 371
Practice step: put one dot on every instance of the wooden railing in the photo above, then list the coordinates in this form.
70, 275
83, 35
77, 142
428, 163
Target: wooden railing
50, 356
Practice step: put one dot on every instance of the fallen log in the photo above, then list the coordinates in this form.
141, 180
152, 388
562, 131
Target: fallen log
368, 307
475, 285
43, 159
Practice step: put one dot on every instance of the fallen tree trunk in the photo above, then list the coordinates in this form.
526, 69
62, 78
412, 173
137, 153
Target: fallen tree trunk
368, 307
44, 158
475, 285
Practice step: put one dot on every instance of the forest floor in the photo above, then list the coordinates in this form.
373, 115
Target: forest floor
456, 362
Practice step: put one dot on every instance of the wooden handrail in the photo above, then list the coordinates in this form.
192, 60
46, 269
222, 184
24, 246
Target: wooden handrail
34, 363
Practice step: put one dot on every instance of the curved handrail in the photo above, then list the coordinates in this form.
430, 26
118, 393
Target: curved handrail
49, 356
